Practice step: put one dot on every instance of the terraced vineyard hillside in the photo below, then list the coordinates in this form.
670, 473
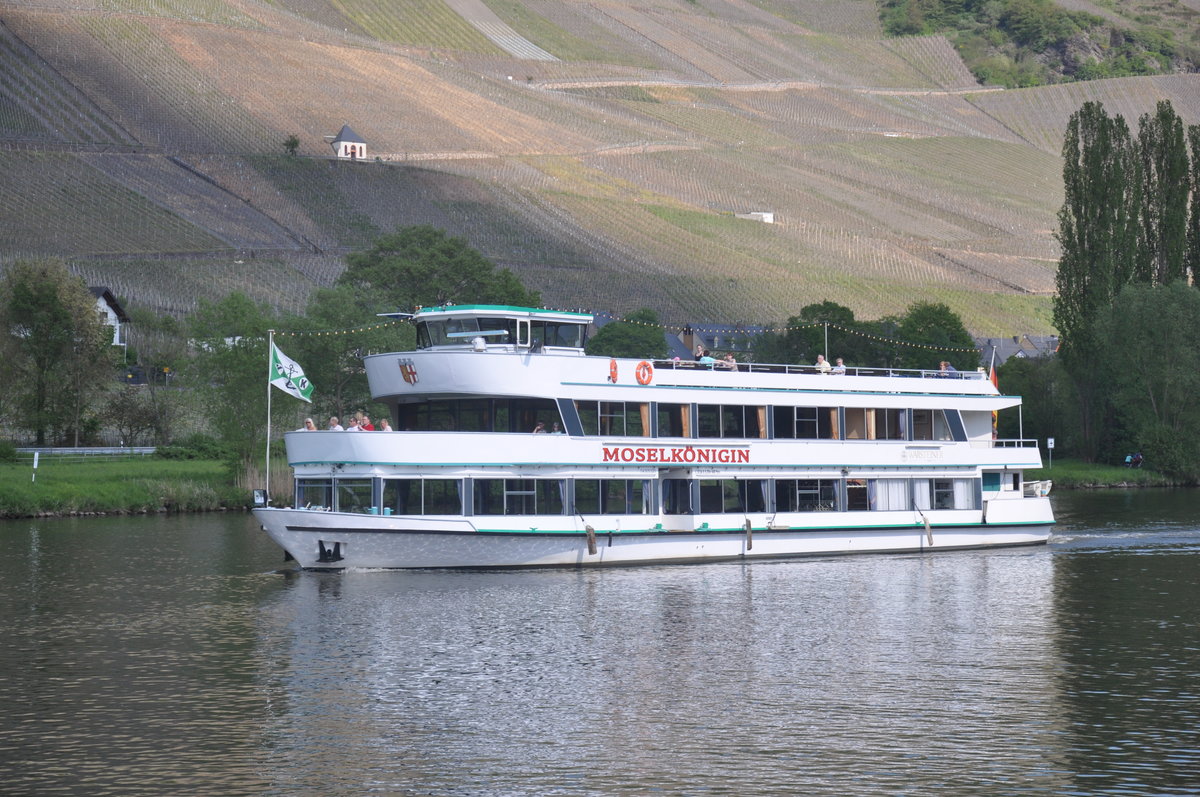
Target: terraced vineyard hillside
604, 151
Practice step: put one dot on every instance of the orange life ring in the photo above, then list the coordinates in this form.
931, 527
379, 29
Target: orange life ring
644, 372
612, 371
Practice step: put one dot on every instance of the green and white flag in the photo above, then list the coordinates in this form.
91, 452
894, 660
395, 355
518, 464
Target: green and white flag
288, 376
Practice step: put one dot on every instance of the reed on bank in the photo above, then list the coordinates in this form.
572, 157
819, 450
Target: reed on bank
129, 486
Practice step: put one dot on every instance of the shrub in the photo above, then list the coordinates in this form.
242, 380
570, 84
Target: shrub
8, 451
197, 446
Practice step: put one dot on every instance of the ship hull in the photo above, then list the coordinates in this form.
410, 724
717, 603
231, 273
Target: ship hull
340, 541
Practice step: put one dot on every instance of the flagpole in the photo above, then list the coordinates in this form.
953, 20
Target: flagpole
270, 376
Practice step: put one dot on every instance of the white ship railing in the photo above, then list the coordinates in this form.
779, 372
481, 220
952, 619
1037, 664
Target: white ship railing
769, 368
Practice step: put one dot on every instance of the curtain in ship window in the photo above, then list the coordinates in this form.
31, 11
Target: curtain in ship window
644, 411
964, 494
890, 494
922, 494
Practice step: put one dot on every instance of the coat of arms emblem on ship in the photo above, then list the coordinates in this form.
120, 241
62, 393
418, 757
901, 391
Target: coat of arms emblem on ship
408, 371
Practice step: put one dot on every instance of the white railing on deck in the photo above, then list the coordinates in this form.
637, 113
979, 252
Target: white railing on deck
768, 368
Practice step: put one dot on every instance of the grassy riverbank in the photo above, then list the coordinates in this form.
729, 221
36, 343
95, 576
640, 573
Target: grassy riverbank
126, 486
1072, 474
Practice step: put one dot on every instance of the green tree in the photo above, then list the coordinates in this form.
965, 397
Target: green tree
1163, 156
418, 266
231, 363
639, 335
1098, 232
937, 334
341, 331
1049, 407
804, 336
1156, 381
160, 346
1192, 258
57, 347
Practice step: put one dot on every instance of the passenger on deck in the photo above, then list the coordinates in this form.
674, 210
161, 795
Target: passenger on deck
555, 428
839, 367
352, 425
700, 352
365, 425
947, 370
707, 359
822, 364
728, 362
334, 426
385, 425
540, 428
309, 426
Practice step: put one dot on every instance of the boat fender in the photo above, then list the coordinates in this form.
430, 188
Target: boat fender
749, 535
644, 373
591, 538
612, 371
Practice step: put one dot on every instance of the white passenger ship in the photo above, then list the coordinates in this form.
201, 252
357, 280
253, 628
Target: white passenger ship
656, 461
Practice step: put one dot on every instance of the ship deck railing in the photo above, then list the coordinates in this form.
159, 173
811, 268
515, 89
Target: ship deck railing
771, 368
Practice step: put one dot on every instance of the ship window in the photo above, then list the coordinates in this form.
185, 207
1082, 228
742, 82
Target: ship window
945, 493
715, 420
314, 493
421, 497
402, 496
733, 496
677, 496
560, 334
674, 420
888, 494
614, 418
456, 331
519, 496
353, 495
930, 425
612, 497
476, 415
806, 423
442, 497
856, 495
473, 415
867, 423
805, 495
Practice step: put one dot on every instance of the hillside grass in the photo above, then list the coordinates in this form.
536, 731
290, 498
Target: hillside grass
134, 485
592, 43
429, 23
55, 203
615, 192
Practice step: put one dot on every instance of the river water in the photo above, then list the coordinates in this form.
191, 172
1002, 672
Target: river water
174, 655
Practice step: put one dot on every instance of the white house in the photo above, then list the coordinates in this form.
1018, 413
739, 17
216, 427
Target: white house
347, 144
112, 312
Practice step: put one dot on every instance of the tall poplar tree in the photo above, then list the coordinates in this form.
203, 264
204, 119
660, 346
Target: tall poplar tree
1163, 159
1098, 233
1191, 260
